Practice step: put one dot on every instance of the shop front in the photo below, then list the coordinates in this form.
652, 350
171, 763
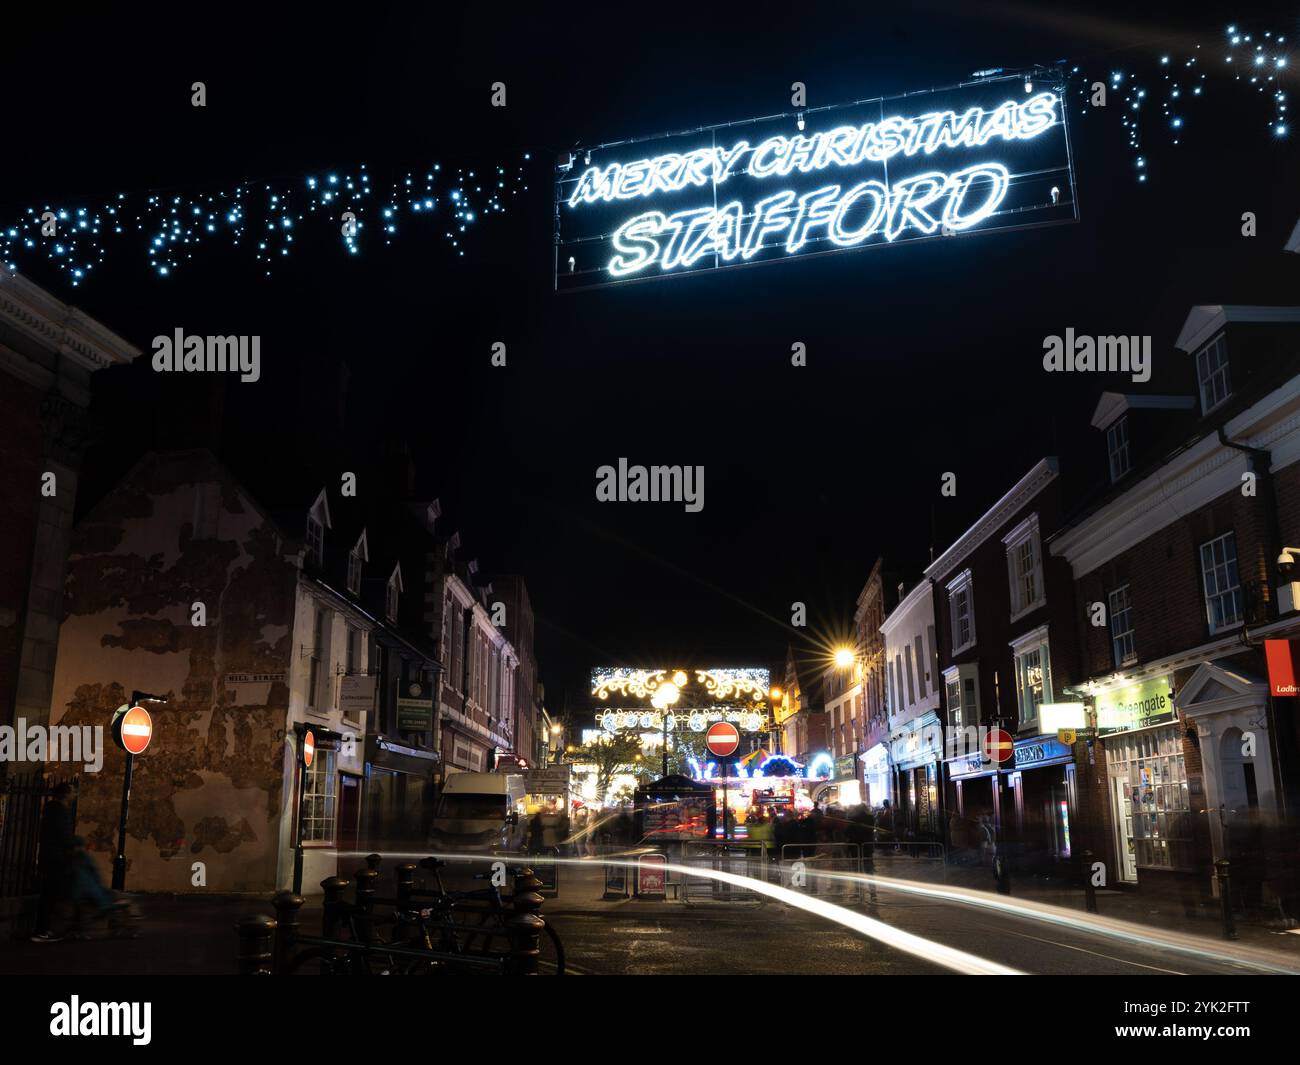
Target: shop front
876, 775
1042, 790
398, 801
1151, 793
918, 753
973, 790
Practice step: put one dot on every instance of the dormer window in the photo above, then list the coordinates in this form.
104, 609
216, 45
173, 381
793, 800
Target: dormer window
393, 593
1117, 449
318, 520
315, 541
1212, 374
356, 557
354, 571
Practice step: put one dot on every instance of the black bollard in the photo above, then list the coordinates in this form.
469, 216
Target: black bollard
525, 931
365, 901
373, 860
256, 935
335, 908
1089, 888
1223, 875
288, 912
405, 883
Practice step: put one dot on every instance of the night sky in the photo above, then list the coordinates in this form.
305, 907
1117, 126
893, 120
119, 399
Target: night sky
921, 358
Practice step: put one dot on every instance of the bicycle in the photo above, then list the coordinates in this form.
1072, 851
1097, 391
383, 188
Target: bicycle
435, 927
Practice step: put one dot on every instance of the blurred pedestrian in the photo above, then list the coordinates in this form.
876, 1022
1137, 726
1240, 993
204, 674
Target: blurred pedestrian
55, 864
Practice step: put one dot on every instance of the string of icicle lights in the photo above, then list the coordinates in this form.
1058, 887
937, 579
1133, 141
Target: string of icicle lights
263, 218
1169, 97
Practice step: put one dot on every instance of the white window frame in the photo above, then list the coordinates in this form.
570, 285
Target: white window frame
962, 583
318, 520
1117, 449
320, 799
1219, 374
967, 678
1221, 574
358, 555
1025, 535
1035, 641
317, 686
1118, 636
392, 594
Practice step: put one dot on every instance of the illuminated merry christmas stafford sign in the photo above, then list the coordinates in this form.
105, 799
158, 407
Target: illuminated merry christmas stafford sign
989, 155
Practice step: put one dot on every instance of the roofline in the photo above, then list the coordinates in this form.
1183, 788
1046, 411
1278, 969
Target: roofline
1040, 475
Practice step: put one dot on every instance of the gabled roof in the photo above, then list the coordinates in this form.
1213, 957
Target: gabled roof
1113, 404
1204, 321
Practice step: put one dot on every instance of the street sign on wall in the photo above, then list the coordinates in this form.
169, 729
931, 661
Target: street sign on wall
987, 155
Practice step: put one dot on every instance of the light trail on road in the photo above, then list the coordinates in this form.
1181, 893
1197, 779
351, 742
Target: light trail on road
1079, 920
918, 946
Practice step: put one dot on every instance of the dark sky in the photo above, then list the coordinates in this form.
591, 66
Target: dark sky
922, 358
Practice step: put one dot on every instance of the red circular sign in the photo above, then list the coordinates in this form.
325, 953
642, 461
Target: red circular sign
722, 739
998, 745
308, 747
136, 730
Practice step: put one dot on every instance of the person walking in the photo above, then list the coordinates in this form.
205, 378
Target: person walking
55, 863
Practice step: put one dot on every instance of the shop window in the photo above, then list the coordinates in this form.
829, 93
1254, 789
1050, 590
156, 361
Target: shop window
1152, 805
1222, 584
318, 798
1122, 642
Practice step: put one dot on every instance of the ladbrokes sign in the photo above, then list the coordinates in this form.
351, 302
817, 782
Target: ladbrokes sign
989, 155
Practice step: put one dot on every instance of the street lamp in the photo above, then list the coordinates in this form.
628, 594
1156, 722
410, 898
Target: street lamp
844, 657
665, 695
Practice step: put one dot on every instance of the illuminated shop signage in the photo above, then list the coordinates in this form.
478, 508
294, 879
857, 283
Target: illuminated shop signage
993, 154
1138, 706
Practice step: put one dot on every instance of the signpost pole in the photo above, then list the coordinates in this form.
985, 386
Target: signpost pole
132, 730
726, 831
297, 827
119, 861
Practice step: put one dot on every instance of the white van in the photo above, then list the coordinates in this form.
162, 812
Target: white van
480, 812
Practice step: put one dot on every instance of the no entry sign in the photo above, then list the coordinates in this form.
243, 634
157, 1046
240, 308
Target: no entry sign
132, 729
722, 739
998, 745
308, 747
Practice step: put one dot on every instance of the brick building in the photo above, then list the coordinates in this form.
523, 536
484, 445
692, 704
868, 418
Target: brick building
1007, 646
878, 597
1176, 570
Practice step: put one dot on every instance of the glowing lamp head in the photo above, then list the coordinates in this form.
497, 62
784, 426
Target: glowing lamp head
776, 694
844, 657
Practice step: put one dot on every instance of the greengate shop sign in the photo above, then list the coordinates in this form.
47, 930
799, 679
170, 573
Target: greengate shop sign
992, 154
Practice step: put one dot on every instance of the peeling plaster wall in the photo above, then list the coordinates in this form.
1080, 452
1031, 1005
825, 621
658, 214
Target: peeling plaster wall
210, 788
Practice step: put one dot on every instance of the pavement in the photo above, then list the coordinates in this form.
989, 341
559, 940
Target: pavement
630, 936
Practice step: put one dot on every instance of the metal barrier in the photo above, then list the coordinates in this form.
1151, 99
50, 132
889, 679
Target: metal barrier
738, 857
804, 865
907, 859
